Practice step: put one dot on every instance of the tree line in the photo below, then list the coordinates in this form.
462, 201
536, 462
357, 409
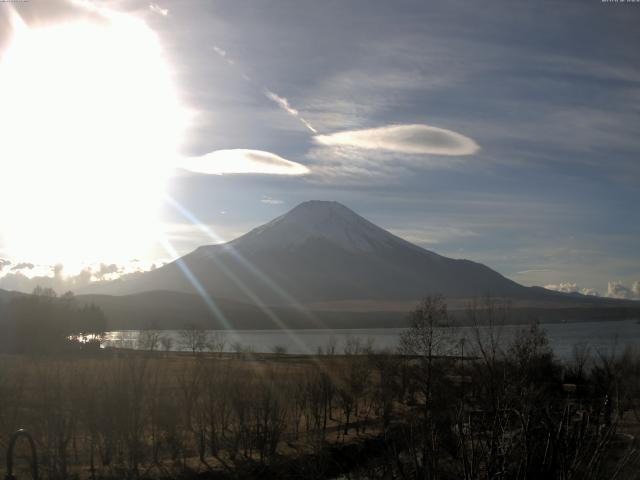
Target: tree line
437, 408
45, 322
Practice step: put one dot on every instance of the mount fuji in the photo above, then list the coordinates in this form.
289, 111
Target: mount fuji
316, 253
321, 265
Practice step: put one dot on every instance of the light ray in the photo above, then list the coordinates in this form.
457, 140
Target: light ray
273, 285
211, 304
91, 123
245, 289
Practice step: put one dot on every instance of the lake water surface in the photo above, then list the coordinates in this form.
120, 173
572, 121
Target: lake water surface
599, 336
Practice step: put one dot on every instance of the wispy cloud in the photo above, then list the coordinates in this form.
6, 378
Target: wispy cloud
240, 160
279, 100
271, 201
155, 8
434, 234
283, 103
185, 237
223, 53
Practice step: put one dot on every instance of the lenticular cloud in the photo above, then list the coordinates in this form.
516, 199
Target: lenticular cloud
411, 139
242, 160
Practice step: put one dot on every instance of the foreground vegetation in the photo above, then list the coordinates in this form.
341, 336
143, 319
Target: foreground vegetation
439, 408
45, 323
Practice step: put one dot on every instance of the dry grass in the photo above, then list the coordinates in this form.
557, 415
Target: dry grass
133, 412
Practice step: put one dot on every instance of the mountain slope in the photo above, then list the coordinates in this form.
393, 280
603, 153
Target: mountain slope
320, 252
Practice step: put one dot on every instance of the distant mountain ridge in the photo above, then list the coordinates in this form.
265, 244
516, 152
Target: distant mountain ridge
318, 252
174, 310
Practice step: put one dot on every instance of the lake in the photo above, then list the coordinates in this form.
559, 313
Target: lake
599, 336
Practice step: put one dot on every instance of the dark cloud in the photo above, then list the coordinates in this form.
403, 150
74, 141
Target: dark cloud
23, 266
106, 269
20, 282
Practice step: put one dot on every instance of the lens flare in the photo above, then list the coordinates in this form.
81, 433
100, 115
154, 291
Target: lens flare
90, 122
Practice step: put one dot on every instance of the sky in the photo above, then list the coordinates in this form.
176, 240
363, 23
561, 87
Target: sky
502, 132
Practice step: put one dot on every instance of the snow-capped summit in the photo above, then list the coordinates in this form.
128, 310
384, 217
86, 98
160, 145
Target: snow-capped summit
318, 220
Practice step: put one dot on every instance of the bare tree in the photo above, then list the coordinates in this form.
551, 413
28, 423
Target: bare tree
166, 342
193, 338
423, 344
279, 350
216, 342
149, 340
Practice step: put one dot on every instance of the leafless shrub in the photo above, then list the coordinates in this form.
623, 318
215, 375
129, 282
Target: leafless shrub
166, 342
149, 340
194, 338
279, 350
216, 342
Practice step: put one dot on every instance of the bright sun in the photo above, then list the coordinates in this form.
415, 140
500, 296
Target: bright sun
90, 124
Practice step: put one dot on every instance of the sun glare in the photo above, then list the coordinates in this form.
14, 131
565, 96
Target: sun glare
90, 124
